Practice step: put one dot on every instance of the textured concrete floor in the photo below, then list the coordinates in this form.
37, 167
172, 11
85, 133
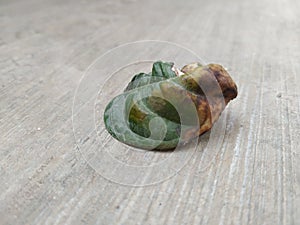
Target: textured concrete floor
45, 178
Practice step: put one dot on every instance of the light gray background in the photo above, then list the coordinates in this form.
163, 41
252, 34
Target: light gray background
45, 46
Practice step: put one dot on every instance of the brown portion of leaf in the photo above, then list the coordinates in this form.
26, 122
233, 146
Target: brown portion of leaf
215, 89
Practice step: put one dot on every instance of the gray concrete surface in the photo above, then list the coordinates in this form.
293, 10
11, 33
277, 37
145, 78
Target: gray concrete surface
45, 47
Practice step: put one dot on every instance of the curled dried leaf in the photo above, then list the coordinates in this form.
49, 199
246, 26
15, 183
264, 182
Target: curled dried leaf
159, 109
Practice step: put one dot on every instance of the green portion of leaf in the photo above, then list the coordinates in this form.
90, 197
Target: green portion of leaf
141, 80
162, 69
128, 117
140, 116
118, 124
